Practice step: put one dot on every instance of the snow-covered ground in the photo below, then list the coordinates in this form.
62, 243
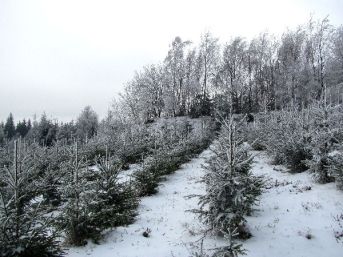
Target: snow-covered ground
126, 175
296, 215
295, 218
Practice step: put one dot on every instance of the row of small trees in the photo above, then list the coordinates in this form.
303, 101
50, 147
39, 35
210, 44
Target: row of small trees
51, 193
307, 139
40, 199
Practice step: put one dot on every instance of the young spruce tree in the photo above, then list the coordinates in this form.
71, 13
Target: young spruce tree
25, 228
76, 218
114, 202
231, 189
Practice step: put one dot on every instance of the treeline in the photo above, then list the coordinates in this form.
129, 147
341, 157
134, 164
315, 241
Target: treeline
47, 132
265, 73
261, 74
9, 130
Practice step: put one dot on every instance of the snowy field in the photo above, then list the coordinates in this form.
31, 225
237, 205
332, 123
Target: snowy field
295, 218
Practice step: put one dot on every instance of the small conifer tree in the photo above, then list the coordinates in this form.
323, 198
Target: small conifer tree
25, 227
231, 189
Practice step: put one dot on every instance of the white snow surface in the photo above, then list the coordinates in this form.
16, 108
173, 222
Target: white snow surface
290, 212
126, 175
291, 209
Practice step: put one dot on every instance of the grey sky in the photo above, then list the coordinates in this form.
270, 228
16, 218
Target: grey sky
59, 56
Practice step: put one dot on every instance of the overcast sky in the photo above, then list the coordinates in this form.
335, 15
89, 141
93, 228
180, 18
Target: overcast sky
59, 56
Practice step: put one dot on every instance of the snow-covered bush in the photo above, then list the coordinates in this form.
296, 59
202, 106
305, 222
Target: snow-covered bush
320, 163
114, 203
47, 162
326, 137
129, 141
336, 167
163, 162
284, 135
288, 139
75, 217
231, 189
93, 198
146, 180
94, 148
302, 139
25, 228
255, 134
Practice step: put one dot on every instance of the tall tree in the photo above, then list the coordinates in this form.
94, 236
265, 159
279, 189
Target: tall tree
208, 60
335, 67
87, 123
147, 90
290, 65
46, 131
175, 70
232, 74
22, 128
9, 127
2, 133
191, 82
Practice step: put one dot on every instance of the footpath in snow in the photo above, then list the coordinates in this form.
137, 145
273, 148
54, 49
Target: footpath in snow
165, 214
295, 218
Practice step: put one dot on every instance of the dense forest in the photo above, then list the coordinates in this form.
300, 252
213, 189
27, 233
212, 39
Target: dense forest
60, 182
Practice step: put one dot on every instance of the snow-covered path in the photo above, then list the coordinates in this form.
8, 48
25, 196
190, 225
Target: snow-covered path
295, 218
165, 214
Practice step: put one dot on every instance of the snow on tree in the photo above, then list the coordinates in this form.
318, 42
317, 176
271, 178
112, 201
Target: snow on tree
2, 134
9, 127
285, 135
231, 189
335, 167
175, 69
326, 135
114, 203
93, 199
75, 218
154, 167
87, 123
26, 229
48, 162
207, 59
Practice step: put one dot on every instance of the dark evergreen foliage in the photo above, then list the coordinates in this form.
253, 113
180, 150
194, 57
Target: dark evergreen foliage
26, 229
114, 203
9, 127
201, 106
76, 218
